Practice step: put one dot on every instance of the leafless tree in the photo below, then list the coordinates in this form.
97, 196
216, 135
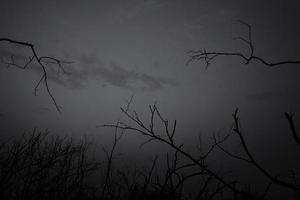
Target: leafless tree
38, 166
174, 179
205, 171
168, 138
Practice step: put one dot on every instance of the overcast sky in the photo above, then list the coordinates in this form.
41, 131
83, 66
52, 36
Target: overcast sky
120, 48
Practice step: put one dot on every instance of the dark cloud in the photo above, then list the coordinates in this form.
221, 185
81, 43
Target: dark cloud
263, 96
91, 68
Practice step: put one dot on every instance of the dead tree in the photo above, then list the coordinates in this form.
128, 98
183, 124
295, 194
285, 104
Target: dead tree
168, 138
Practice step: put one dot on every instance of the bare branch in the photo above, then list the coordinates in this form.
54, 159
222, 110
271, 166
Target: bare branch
110, 157
149, 175
290, 118
43, 62
168, 140
274, 179
209, 56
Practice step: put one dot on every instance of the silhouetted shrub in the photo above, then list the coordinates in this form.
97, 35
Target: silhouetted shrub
38, 166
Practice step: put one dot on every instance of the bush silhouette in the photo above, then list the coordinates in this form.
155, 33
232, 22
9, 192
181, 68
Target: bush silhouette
38, 166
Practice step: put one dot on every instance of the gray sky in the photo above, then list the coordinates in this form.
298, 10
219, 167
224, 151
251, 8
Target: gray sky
120, 48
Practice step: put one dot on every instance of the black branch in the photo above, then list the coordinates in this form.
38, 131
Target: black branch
209, 56
169, 138
274, 179
42, 61
290, 118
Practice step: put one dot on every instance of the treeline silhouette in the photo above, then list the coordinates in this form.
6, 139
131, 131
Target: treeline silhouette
41, 166
184, 165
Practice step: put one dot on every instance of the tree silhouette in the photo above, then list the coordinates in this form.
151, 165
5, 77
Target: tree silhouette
39, 167
168, 137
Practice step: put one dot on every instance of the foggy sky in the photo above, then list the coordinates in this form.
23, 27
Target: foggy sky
120, 48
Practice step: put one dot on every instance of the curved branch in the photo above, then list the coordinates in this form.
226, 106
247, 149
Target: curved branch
169, 140
272, 178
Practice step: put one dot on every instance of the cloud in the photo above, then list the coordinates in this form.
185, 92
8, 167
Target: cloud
91, 68
263, 96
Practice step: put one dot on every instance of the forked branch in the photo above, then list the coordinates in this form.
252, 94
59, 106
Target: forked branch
42, 61
274, 179
168, 138
209, 56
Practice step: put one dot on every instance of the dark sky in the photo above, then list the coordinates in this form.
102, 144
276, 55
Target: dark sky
120, 48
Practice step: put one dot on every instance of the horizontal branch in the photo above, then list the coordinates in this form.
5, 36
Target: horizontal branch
209, 56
